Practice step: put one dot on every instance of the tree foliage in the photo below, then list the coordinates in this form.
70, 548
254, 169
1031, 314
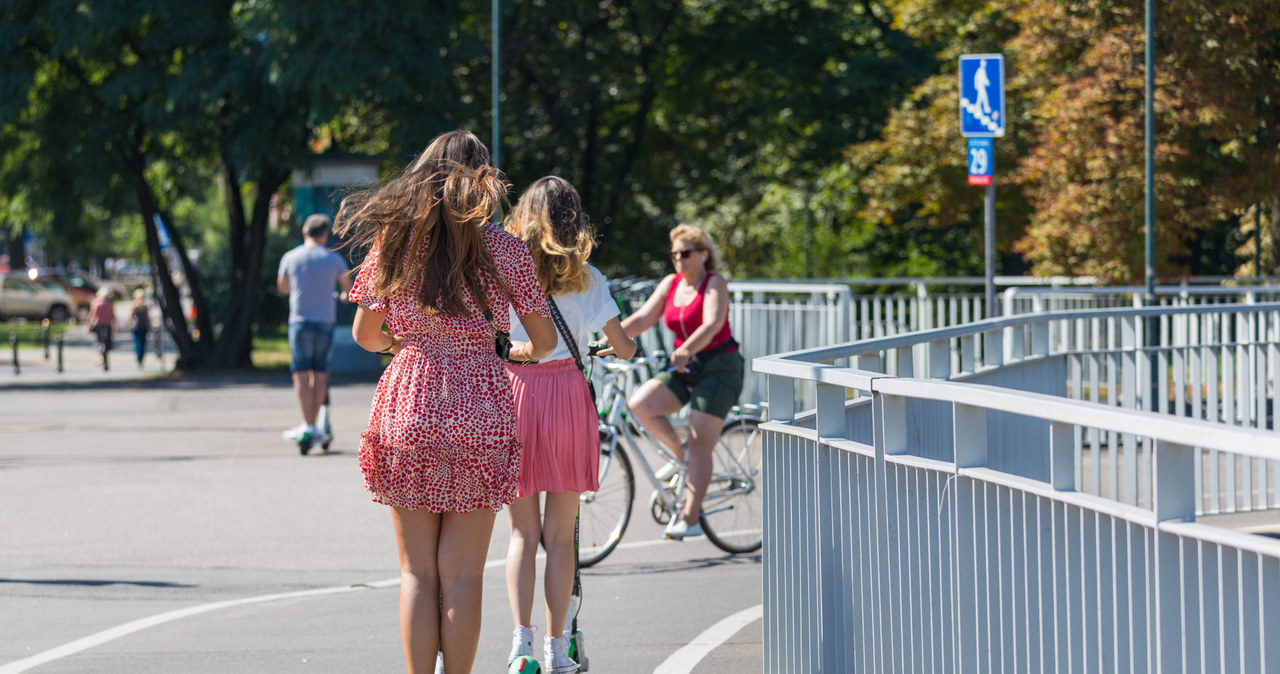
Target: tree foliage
696, 110
134, 106
1074, 156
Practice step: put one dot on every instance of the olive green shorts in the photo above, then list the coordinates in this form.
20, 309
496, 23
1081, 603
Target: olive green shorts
714, 389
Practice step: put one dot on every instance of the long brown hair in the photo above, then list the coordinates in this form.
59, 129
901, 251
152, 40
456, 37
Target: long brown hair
439, 201
550, 219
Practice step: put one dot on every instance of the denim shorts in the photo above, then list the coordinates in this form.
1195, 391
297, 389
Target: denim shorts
310, 345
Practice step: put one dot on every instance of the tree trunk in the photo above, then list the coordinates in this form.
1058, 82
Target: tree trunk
235, 344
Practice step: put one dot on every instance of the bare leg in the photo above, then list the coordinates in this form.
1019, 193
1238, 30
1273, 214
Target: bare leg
417, 535
319, 386
304, 387
522, 572
704, 431
464, 542
557, 534
651, 403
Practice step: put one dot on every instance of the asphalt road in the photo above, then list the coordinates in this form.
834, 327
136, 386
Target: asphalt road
164, 526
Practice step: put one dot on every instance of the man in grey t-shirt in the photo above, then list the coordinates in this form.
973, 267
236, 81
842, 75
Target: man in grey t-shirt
308, 275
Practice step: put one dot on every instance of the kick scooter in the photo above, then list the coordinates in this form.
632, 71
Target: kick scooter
326, 431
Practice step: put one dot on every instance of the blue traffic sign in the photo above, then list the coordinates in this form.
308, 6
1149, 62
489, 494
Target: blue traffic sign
982, 113
982, 160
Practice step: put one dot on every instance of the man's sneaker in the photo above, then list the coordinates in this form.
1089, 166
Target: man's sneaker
555, 656
315, 433
678, 530
298, 433
521, 644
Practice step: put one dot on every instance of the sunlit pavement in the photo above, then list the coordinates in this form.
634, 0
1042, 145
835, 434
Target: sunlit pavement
122, 503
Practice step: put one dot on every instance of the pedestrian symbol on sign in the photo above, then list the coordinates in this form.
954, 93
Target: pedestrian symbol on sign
982, 95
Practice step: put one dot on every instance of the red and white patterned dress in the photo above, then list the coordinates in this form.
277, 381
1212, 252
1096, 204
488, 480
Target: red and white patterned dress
442, 432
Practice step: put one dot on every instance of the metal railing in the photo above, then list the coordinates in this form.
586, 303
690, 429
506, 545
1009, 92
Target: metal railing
917, 524
782, 316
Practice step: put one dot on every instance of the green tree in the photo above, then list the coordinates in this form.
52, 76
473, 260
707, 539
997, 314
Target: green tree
133, 106
692, 109
1073, 159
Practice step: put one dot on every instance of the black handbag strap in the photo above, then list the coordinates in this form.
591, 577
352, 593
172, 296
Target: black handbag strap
569, 341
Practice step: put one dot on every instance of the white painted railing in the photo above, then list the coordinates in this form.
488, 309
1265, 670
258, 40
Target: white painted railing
783, 316
915, 524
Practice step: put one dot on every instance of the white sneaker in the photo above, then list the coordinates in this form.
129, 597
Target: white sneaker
521, 644
668, 471
555, 656
678, 530
297, 433
315, 433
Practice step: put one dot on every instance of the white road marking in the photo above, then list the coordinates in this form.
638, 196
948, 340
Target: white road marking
111, 634
684, 660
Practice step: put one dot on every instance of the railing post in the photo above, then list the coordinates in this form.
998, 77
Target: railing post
939, 359
993, 348
1062, 456
1040, 338
969, 428
1174, 500
782, 398
13, 345
830, 411
59, 342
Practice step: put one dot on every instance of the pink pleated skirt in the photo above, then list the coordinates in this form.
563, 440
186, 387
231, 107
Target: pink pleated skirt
557, 425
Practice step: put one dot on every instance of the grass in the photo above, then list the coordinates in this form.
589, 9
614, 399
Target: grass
271, 350
29, 333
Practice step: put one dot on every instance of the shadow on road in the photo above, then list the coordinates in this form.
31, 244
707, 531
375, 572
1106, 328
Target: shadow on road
91, 583
653, 568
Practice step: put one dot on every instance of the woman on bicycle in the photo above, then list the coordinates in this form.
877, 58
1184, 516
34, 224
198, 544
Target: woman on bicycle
706, 369
441, 447
555, 415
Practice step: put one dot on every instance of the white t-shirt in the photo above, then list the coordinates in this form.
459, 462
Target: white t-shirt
584, 313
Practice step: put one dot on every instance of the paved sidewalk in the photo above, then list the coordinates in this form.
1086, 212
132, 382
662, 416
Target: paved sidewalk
164, 526
79, 362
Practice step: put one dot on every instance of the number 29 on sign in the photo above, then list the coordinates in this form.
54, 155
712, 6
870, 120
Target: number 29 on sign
981, 161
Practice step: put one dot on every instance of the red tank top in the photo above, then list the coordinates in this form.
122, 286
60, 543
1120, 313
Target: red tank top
686, 319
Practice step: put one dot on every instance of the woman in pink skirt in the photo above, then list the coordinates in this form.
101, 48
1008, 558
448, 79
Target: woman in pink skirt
555, 417
441, 445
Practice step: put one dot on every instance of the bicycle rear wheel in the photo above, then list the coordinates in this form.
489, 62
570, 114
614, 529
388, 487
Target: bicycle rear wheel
603, 514
733, 510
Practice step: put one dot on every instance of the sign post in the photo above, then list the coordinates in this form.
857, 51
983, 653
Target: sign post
982, 118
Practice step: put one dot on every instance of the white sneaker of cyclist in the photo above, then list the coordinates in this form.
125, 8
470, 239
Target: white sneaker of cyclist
556, 660
678, 529
316, 433
521, 644
667, 471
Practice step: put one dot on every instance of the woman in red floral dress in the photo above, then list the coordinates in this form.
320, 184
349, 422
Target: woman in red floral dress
441, 446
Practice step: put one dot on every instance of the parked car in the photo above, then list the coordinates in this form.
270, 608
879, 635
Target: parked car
21, 297
80, 291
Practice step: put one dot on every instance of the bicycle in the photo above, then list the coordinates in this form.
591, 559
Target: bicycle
733, 510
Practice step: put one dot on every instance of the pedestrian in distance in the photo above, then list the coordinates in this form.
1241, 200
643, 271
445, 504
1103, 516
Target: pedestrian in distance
706, 369
555, 414
139, 324
441, 447
102, 321
309, 274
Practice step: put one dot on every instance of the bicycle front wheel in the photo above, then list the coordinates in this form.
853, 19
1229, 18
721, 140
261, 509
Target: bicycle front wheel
603, 514
733, 510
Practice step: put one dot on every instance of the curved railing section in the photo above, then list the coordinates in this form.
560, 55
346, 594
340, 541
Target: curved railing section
1022, 494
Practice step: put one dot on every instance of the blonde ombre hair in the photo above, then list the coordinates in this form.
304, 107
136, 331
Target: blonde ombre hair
550, 219
700, 240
